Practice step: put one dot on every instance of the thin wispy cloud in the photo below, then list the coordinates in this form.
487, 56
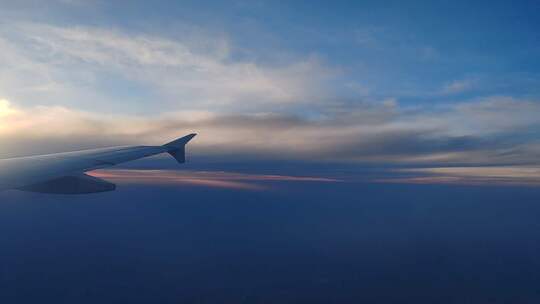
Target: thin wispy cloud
193, 71
214, 179
459, 86
487, 176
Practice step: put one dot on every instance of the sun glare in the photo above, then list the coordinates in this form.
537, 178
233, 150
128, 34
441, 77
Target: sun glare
5, 108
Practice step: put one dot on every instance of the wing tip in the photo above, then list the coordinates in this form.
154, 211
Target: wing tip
182, 141
177, 148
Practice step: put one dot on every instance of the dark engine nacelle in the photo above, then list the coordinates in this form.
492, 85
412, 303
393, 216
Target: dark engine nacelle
77, 184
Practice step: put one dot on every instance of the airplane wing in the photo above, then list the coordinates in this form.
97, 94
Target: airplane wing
64, 173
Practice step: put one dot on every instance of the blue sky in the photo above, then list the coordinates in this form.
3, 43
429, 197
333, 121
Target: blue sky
393, 49
356, 81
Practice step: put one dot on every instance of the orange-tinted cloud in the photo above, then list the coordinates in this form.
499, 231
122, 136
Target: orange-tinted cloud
212, 179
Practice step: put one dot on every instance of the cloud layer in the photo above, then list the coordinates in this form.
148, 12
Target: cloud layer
87, 67
492, 176
491, 131
67, 88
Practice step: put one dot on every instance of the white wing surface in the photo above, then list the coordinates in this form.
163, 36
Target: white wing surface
64, 173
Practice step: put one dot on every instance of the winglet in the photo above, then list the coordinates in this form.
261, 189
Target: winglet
177, 148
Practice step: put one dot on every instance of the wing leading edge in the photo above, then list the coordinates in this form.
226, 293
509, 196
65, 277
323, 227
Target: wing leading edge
63, 173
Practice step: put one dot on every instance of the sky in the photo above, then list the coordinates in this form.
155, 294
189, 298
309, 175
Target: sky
416, 83
347, 151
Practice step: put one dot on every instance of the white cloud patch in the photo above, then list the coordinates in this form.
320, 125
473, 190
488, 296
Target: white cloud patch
459, 86
194, 70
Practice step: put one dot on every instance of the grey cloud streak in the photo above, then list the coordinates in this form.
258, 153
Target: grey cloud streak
457, 135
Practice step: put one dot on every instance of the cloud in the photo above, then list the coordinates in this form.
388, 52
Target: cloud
214, 179
497, 113
459, 86
82, 87
489, 176
42, 63
487, 131
6, 109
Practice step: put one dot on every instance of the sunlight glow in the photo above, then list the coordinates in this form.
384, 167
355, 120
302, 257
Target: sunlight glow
6, 111
5, 108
